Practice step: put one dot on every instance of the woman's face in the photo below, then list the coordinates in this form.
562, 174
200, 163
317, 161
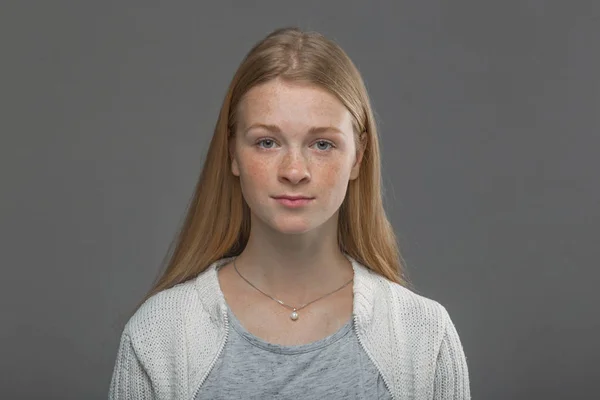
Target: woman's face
294, 139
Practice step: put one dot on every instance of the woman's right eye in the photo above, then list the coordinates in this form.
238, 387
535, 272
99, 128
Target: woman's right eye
268, 142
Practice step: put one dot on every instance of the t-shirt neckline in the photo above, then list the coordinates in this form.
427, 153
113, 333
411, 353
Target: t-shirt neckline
284, 349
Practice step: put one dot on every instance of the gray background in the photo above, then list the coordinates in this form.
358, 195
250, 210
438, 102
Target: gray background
488, 114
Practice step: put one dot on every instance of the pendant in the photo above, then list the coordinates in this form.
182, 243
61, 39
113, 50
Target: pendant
294, 315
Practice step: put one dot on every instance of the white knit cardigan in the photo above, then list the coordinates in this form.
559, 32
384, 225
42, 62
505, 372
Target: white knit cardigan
171, 343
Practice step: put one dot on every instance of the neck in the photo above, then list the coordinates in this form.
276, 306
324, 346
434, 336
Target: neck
297, 267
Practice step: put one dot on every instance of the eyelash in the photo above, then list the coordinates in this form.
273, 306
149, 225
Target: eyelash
318, 141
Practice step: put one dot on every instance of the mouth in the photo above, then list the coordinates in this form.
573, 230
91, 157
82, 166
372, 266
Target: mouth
292, 198
293, 201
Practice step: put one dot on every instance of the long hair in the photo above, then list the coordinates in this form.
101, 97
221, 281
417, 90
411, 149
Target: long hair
217, 223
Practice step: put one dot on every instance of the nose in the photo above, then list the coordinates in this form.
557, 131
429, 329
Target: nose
294, 168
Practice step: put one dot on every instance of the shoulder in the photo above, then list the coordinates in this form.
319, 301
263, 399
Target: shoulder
405, 309
413, 305
424, 337
171, 337
421, 322
408, 312
175, 333
163, 317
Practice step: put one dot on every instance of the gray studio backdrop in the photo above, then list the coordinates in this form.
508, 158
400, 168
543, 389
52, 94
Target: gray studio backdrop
489, 120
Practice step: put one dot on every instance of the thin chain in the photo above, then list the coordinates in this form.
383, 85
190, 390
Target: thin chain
281, 302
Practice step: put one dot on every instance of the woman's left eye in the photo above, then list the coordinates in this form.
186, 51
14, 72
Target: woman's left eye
326, 143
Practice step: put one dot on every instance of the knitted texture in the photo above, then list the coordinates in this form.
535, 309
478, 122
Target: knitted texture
169, 346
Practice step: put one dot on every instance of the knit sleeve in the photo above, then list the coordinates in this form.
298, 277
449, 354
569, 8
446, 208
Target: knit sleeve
129, 380
451, 380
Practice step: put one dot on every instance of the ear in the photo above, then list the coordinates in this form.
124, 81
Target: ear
235, 168
360, 151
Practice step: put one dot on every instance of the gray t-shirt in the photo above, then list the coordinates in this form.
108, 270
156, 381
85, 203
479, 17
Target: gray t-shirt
335, 367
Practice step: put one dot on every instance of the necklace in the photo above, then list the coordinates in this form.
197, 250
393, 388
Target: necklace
294, 315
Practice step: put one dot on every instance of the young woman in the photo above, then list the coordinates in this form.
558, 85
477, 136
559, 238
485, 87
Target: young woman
286, 281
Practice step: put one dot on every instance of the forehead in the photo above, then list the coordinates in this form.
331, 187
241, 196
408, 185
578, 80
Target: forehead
293, 103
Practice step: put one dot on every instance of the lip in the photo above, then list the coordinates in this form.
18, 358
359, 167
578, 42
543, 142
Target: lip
290, 197
293, 201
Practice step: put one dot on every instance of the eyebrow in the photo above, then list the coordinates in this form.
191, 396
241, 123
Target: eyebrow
276, 129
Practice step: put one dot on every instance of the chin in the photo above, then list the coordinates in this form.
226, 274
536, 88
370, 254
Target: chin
292, 226
292, 229
289, 224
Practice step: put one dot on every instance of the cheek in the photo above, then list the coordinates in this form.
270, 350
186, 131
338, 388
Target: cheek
255, 169
334, 177
336, 171
253, 172
331, 174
